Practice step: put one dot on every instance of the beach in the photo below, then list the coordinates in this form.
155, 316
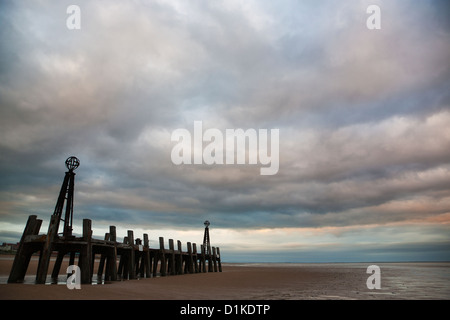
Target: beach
265, 281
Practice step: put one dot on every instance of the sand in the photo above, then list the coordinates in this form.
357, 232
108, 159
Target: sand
253, 282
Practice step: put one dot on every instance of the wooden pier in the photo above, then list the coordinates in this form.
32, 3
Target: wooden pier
118, 261
131, 259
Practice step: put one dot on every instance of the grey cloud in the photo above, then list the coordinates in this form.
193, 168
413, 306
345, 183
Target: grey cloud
363, 116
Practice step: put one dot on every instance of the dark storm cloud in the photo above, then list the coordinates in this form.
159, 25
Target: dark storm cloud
363, 115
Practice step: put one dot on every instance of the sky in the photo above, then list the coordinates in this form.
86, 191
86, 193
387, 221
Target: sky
363, 118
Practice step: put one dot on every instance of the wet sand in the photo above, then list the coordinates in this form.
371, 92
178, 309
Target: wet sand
255, 282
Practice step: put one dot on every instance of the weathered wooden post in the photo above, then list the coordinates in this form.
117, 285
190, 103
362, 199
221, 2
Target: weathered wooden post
203, 258
214, 258
44, 258
195, 259
23, 255
66, 193
111, 262
101, 264
131, 261
85, 260
146, 257
186, 262
155, 255
172, 258
190, 258
138, 263
179, 261
209, 257
219, 259
123, 262
57, 265
162, 253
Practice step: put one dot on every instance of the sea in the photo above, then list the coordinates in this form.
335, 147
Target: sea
398, 280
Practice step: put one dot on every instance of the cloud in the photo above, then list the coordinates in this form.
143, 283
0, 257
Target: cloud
363, 115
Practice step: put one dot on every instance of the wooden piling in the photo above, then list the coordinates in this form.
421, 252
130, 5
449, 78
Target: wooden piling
202, 258
85, 260
190, 258
44, 258
209, 258
195, 259
57, 265
101, 264
179, 258
214, 259
136, 259
138, 250
131, 261
171, 261
111, 265
219, 259
162, 257
24, 252
123, 262
146, 257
